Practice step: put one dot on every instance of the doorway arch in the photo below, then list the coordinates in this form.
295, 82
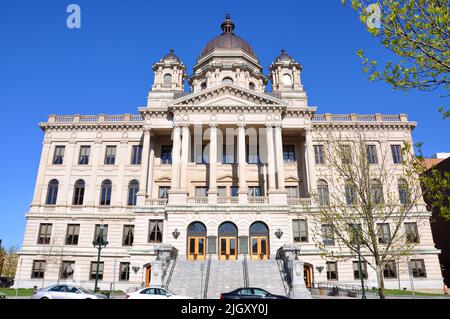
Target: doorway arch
228, 238
259, 241
196, 241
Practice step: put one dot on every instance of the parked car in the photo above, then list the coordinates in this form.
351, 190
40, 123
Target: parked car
154, 293
65, 292
250, 293
6, 282
2, 295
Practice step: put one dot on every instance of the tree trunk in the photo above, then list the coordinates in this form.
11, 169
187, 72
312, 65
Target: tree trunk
380, 279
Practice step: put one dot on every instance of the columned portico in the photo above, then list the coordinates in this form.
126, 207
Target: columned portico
243, 190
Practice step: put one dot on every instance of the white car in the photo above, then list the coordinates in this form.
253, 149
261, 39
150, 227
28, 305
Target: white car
65, 292
154, 293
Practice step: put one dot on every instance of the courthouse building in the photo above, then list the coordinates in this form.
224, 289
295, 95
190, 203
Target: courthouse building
222, 172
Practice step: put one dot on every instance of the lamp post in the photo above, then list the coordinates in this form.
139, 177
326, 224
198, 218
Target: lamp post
361, 276
99, 243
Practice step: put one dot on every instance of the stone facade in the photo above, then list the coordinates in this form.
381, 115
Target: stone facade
161, 149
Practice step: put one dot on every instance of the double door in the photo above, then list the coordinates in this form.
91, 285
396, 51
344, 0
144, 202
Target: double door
259, 248
227, 248
196, 248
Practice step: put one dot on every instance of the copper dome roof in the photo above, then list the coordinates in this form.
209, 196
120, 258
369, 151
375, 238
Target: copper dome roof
228, 40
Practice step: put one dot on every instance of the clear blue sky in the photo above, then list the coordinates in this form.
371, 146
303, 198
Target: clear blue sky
105, 67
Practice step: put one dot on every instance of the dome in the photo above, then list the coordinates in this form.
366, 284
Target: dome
171, 56
228, 40
284, 57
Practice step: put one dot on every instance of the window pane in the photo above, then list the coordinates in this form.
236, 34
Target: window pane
84, 155
136, 155
289, 153
166, 154
110, 156
58, 156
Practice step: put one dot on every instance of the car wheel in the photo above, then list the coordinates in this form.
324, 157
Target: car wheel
44, 298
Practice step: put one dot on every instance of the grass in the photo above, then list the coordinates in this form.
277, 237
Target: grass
23, 292
397, 292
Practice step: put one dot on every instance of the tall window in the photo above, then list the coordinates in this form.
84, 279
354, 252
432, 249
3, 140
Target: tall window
324, 196
52, 192
45, 232
133, 189
289, 153
201, 191
67, 269
78, 192
106, 189
252, 154
350, 195
412, 233
93, 271
38, 269
110, 155
371, 152
390, 270
383, 233
327, 235
228, 154
85, 151
319, 154
97, 233
136, 155
167, 80
418, 268
128, 235
345, 154
292, 191
397, 157
163, 191
403, 192
124, 271
73, 232
377, 192
155, 231
332, 271
300, 230
356, 269
166, 154
255, 191
287, 80
58, 156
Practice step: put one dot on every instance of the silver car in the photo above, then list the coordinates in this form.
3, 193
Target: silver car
65, 292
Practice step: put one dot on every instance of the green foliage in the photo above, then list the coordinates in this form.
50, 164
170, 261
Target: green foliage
417, 31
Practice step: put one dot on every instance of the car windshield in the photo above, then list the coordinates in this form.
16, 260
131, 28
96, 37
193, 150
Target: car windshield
86, 291
260, 292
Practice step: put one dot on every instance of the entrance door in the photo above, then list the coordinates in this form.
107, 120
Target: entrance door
307, 275
259, 248
196, 248
148, 271
227, 248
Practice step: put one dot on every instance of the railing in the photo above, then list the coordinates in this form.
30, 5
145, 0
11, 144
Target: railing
169, 277
227, 200
114, 118
89, 118
245, 271
197, 200
299, 201
94, 118
353, 117
391, 118
208, 271
341, 117
157, 201
336, 288
365, 117
64, 118
258, 200
285, 277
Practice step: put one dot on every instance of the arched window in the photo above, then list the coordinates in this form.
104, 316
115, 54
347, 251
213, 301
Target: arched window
350, 193
203, 85
105, 196
259, 229
228, 229
133, 189
78, 193
324, 195
251, 86
227, 80
377, 192
287, 80
52, 192
403, 191
196, 229
167, 80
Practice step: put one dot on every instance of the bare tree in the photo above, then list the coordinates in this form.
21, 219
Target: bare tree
52, 253
366, 202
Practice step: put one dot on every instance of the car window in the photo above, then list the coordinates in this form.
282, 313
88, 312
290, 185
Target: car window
244, 292
259, 292
58, 289
72, 289
149, 291
162, 292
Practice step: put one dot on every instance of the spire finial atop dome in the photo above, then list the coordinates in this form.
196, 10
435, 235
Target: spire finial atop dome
228, 25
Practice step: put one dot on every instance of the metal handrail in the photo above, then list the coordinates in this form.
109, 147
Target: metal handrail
208, 270
245, 270
169, 278
284, 277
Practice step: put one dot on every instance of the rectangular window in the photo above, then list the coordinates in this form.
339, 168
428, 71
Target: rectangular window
418, 268
73, 231
252, 154
300, 230
136, 155
292, 191
319, 154
222, 191
384, 233
58, 156
289, 153
201, 191
128, 235
346, 154
110, 155
67, 269
85, 151
155, 231
45, 232
327, 235
255, 191
234, 191
397, 157
97, 232
93, 271
356, 269
166, 154
412, 233
124, 271
372, 157
332, 271
163, 191
38, 269
390, 270
228, 154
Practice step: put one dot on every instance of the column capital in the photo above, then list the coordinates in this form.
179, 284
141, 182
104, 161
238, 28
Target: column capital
241, 125
278, 125
307, 130
213, 125
147, 129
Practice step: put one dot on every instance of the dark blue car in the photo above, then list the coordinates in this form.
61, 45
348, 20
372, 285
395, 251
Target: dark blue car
250, 293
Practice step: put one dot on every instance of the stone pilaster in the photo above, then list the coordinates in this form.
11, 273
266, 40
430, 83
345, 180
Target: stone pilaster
145, 162
212, 193
309, 150
243, 190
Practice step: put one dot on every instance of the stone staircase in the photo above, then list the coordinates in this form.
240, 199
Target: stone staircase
225, 276
265, 274
188, 279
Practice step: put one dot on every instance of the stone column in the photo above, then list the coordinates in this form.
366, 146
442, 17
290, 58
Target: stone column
212, 193
176, 196
279, 157
145, 161
184, 157
243, 190
270, 158
309, 150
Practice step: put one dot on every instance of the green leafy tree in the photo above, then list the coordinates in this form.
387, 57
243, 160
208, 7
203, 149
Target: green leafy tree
417, 31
